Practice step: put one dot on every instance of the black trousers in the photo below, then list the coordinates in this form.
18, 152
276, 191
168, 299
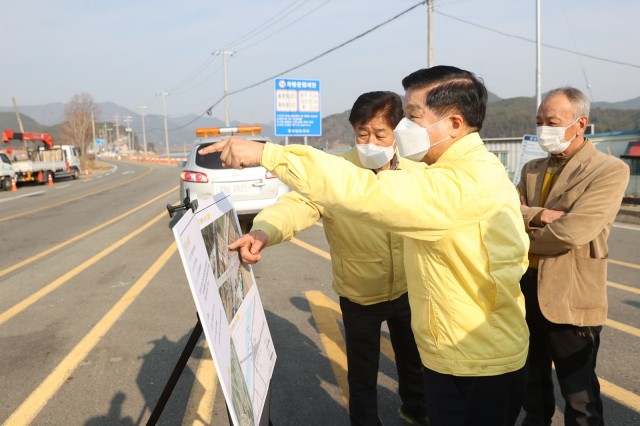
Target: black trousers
362, 328
474, 401
573, 350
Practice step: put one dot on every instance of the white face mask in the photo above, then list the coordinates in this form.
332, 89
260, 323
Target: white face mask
551, 139
413, 139
374, 156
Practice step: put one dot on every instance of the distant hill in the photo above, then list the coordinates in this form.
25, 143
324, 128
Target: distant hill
505, 118
629, 104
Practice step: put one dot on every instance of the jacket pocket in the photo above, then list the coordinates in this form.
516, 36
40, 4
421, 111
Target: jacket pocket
589, 288
363, 277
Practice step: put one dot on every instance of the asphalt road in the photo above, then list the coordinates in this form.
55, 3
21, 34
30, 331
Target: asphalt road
95, 311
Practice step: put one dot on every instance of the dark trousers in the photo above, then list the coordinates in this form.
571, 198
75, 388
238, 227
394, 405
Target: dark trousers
362, 328
474, 401
573, 351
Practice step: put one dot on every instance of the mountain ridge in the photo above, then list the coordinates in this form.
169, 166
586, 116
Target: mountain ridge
507, 117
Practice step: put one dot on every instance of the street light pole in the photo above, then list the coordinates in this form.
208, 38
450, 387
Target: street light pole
166, 128
127, 129
144, 132
224, 54
430, 33
538, 57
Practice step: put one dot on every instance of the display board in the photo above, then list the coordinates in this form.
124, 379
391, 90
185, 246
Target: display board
529, 150
229, 306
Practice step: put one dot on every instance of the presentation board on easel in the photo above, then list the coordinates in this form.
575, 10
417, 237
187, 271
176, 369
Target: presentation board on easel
229, 306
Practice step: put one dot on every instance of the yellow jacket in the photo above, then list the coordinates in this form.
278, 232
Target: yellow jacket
465, 251
367, 262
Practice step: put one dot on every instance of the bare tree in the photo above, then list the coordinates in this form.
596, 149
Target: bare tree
77, 126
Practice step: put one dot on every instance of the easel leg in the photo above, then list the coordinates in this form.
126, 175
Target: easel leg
175, 375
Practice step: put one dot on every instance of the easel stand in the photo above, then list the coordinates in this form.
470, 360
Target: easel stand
175, 375
265, 419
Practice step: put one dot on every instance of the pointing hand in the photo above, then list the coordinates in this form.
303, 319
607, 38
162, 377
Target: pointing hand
236, 152
250, 246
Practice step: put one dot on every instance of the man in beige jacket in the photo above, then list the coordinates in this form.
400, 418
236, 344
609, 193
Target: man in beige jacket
569, 202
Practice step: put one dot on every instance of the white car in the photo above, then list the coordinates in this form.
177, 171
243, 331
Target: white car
251, 189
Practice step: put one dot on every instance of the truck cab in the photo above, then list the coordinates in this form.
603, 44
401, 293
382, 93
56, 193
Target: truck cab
6, 172
72, 157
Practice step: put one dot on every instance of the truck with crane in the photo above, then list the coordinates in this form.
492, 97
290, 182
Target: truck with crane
35, 158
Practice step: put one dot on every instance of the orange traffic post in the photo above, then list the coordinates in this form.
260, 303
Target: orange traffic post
40, 176
50, 180
86, 174
13, 184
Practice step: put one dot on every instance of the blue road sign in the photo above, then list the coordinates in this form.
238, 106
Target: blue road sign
297, 107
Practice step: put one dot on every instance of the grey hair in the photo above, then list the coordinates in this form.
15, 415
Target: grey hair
581, 104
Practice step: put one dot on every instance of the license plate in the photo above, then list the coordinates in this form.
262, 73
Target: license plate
237, 188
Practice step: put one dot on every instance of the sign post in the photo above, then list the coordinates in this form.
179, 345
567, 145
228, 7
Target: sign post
297, 107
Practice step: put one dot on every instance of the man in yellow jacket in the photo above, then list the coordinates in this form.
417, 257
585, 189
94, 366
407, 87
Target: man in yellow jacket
367, 263
465, 242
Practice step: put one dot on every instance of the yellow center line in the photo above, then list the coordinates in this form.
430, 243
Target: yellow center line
331, 338
623, 327
200, 406
621, 395
621, 263
624, 287
311, 248
25, 303
30, 408
79, 197
82, 235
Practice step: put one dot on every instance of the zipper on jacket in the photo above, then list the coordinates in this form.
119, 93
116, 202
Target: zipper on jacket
435, 339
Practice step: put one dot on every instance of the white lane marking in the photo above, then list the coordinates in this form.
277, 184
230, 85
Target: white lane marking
22, 196
626, 226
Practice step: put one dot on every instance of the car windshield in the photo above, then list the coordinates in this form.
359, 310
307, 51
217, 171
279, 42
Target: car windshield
210, 161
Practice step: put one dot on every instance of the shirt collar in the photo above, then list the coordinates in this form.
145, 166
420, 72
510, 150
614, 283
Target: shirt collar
460, 147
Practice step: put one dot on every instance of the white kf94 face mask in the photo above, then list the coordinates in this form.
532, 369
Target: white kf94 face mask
551, 139
374, 156
413, 140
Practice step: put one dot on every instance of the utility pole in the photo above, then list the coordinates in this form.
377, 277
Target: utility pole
538, 58
144, 132
127, 120
117, 128
105, 135
166, 129
224, 54
430, 33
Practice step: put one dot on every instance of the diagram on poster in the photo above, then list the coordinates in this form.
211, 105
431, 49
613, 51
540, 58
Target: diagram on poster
229, 306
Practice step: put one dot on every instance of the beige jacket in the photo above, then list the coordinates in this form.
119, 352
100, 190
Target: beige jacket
572, 274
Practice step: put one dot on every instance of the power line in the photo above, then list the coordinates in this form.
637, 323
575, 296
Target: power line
285, 27
370, 30
266, 24
586, 55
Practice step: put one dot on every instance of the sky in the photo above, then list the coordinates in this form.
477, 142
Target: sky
128, 51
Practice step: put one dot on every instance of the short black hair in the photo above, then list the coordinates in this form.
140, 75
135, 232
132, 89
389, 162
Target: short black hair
370, 104
451, 90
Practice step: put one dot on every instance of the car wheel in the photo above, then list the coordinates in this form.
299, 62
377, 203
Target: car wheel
6, 184
76, 174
